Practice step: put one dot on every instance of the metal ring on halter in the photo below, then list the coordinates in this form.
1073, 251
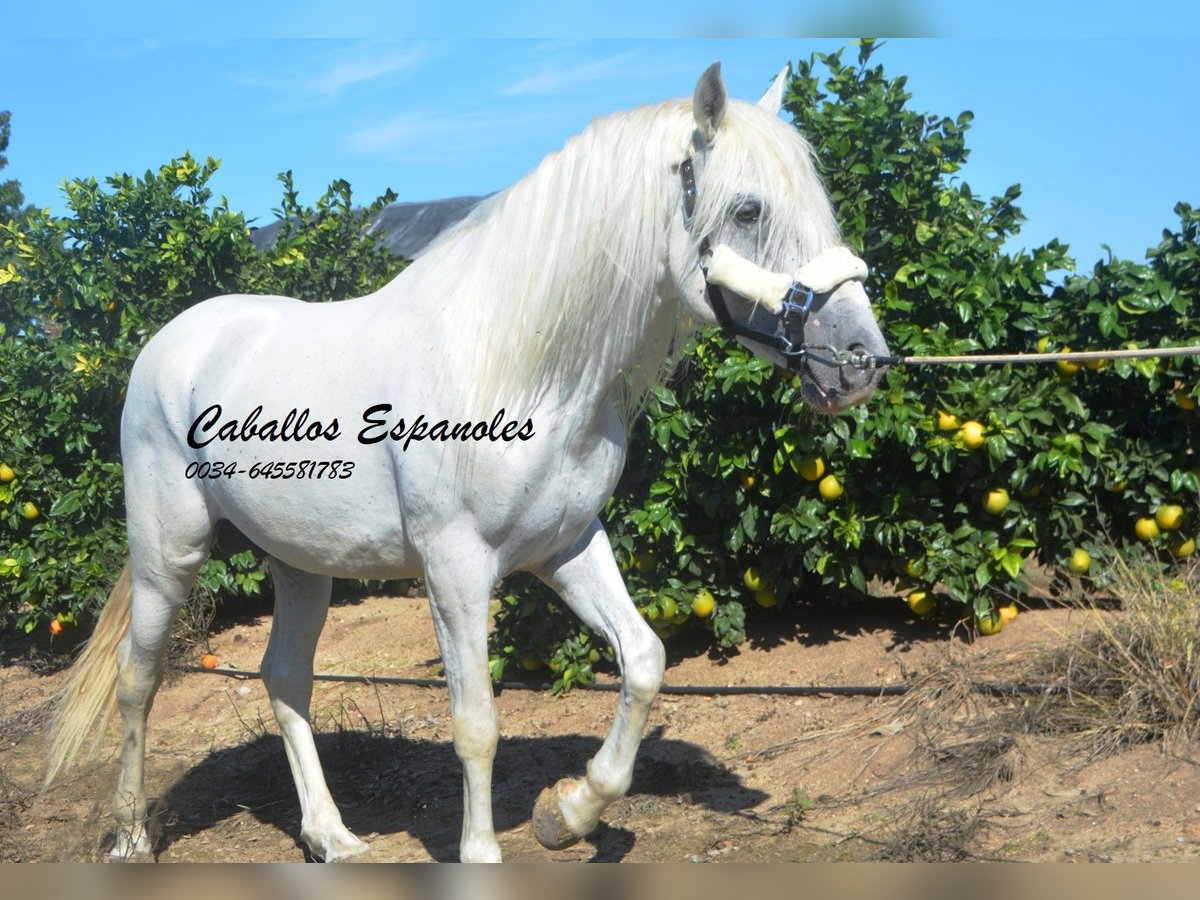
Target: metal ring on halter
859, 359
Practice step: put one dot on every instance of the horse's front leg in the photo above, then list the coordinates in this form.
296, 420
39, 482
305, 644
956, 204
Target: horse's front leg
460, 585
589, 582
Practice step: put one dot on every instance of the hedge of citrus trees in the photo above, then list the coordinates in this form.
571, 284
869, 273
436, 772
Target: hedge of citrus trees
949, 478
945, 484
79, 296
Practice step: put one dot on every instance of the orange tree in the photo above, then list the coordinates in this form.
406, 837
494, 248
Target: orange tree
79, 296
950, 476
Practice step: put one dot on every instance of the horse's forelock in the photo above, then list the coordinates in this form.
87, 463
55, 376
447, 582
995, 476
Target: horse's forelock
756, 151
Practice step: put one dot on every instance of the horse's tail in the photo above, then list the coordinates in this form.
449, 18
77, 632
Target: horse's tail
86, 703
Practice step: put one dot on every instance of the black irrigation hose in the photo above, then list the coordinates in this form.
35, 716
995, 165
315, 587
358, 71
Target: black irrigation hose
786, 690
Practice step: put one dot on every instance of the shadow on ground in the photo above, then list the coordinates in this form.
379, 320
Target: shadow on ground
387, 785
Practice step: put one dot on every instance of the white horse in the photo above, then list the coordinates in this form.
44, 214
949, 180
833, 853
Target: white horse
524, 339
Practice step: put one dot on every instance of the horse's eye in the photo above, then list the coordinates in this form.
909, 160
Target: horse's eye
749, 212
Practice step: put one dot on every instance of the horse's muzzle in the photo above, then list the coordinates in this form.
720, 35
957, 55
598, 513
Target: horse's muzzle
840, 337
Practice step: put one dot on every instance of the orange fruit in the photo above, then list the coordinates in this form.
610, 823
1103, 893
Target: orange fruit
1169, 517
667, 607
645, 563
992, 623
56, 627
811, 468
208, 661
1146, 529
703, 604
765, 597
921, 603
996, 501
1067, 367
830, 488
972, 435
753, 579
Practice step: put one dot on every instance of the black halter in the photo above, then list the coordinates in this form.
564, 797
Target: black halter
797, 302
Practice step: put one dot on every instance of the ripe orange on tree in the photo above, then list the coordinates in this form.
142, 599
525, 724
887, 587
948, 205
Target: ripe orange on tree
1183, 548
996, 501
1146, 529
765, 597
830, 488
921, 602
991, 623
703, 604
753, 579
947, 421
811, 468
1067, 367
1169, 517
972, 435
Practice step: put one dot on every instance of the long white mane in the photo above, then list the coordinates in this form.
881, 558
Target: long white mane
563, 270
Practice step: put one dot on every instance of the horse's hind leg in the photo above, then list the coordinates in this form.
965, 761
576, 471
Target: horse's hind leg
168, 542
301, 604
589, 582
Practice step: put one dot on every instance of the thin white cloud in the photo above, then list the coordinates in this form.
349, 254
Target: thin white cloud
421, 129
360, 64
556, 76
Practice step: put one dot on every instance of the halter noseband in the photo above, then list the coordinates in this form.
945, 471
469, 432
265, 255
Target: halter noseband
794, 307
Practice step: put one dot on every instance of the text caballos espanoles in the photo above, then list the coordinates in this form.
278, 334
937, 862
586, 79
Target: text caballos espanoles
300, 425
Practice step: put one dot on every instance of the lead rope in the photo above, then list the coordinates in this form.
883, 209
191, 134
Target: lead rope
863, 360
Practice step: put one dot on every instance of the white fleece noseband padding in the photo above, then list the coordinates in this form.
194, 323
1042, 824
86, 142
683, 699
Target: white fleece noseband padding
746, 279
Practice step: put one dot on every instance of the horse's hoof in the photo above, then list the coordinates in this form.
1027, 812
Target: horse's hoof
130, 849
549, 826
340, 848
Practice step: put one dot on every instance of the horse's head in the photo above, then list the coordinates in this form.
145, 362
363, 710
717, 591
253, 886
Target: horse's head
756, 249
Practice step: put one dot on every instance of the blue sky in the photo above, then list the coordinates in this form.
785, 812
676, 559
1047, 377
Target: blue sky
1101, 132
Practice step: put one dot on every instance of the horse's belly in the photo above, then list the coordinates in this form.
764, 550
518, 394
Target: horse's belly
330, 527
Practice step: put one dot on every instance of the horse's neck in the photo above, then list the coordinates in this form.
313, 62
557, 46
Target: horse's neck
583, 361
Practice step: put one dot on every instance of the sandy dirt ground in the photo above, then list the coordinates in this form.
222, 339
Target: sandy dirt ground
933, 775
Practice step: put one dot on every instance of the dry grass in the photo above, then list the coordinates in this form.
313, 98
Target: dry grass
14, 800
929, 830
1134, 675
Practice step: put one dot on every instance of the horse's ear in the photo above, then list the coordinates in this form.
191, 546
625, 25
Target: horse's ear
708, 103
772, 100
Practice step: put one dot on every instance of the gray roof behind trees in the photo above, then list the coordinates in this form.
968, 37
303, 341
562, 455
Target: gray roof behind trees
405, 228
